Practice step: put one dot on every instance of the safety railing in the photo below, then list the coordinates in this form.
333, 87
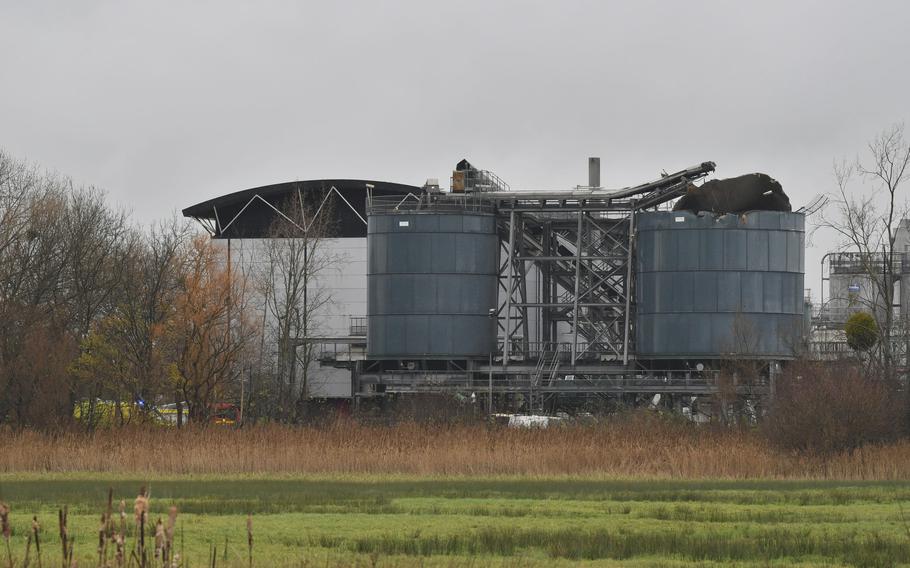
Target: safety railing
585, 351
867, 263
477, 180
333, 351
686, 380
427, 203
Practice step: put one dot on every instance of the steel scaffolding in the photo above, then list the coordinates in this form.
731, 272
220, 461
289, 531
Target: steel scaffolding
580, 246
566, 301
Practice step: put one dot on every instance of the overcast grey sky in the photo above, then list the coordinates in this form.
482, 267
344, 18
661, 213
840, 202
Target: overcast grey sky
165, 104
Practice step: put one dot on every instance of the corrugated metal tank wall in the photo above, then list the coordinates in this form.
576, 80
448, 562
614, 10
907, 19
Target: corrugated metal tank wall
711, 286
431, 283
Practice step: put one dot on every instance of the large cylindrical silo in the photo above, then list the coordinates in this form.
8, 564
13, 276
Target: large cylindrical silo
431, 284
711, 287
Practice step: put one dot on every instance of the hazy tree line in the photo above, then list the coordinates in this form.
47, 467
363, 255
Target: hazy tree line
96, 309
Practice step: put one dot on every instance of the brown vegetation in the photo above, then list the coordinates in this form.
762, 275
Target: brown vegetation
96, 311
641, 446
94, 308
826, 408
208, 331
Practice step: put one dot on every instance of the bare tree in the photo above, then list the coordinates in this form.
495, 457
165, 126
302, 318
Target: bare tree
124, 355
826, 407
154, 280
32, 308
739, 379
867, 224
99, 241
87, 303
295, 255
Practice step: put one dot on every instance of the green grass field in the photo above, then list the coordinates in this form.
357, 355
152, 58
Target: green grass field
373, 521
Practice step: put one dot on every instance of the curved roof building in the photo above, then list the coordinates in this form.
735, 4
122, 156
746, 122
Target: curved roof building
248, 214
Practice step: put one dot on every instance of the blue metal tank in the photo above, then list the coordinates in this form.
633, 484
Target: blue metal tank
709, 287
431, 284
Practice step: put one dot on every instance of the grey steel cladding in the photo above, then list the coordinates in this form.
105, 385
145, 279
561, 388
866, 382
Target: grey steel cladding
431, 283
712, 286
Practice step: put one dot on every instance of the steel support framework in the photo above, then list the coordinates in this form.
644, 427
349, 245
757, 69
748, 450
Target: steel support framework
581, 264
566, 298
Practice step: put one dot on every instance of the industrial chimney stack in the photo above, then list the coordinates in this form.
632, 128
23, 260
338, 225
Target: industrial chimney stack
593, 172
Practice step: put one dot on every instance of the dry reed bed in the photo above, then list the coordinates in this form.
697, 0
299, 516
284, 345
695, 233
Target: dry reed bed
635, 448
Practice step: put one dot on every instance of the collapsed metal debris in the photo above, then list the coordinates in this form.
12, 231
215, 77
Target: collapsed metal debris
750, 192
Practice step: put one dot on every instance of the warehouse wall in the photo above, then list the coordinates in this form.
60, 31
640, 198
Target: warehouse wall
343, 281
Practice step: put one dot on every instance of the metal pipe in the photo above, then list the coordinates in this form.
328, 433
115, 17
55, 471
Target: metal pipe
490, 377
821, 283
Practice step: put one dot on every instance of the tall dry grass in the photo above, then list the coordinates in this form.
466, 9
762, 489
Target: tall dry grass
636, 447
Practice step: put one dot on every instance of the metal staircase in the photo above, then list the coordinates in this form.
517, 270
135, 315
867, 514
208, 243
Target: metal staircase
545, 373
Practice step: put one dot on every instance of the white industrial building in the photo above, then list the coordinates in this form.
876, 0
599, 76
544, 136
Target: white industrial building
851, 283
